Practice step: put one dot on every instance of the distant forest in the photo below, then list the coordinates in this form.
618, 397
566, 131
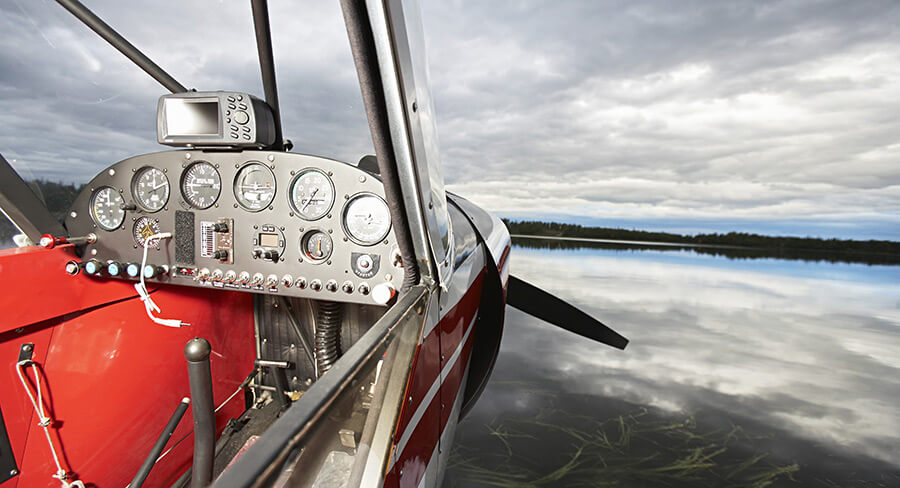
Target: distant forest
737, 239
57, 196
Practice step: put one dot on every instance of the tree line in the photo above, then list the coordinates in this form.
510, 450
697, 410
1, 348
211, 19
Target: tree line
738, 239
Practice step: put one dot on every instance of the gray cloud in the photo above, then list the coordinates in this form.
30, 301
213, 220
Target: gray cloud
637, 110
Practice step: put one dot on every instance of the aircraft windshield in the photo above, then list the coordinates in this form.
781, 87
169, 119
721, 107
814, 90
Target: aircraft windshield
72, 105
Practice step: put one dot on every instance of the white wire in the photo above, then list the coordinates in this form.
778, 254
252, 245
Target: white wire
141, 287
44, 421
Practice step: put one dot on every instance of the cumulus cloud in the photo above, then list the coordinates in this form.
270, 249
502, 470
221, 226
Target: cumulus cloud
592, 110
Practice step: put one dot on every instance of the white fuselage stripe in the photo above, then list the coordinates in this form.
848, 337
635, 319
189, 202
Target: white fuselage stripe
429, 397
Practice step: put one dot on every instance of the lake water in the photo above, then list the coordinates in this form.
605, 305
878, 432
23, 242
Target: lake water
740, 372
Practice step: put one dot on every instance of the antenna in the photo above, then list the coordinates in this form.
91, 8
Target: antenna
109, 34
267, 64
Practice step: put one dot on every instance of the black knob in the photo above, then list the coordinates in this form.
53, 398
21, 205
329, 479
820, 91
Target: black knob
257, 253
271, 255
221, 255
220, 227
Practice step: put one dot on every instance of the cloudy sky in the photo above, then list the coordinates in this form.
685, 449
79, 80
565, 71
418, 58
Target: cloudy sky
777, 117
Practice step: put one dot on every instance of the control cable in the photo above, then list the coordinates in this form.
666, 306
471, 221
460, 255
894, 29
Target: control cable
141, 288
44, 421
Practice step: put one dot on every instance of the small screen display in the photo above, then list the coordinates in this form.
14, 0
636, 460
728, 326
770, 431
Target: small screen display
268, 240
195, 117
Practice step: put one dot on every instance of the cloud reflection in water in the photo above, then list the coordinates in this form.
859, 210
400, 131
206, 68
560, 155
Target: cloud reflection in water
810, 350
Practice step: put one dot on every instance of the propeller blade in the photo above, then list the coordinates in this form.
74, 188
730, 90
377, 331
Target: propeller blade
538, 303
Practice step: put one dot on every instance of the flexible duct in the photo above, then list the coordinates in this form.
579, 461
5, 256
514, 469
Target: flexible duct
328, 335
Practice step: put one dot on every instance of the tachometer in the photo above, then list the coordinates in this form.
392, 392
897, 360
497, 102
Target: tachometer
150, 188
254, 186
367, 219
107, 208
200, 185
145, 227
312, 194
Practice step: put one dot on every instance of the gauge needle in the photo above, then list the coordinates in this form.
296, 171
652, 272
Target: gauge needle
319, 248
310, 199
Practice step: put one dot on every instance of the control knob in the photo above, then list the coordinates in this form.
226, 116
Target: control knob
221, 255
315, 285
217, 275
230, 276
133, 270
73, 268
331, 285
114, 268
93, 267
347, 287
384, 293
287, 281
363, 288
300, 283
151, 271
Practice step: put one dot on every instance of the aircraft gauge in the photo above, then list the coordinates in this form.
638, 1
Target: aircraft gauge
316, 246
107, 208
145, 227
254, 186
201, 185
312, 194
150, 188
367, 219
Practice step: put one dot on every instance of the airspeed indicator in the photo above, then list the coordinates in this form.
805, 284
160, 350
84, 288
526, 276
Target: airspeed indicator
200, 185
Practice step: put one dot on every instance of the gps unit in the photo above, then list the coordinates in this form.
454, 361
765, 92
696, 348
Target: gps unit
201, 119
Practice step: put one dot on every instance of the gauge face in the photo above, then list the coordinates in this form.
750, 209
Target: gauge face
150, 188
316, 246
254, 186
367, 219
107, 208
201, 185
312, 194
145, 227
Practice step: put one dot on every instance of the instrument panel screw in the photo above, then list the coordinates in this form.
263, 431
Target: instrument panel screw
13, 472
271, 157
362, 178
187, 155
112, 172
73, 214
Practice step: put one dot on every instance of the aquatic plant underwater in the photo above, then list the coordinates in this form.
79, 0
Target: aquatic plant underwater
637, 449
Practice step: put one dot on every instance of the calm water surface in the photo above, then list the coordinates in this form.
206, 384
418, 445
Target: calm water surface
753, 373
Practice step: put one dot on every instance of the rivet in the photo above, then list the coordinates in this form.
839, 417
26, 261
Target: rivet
187, 155
271, 157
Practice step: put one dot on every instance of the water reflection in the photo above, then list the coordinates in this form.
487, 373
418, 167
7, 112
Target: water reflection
789, 372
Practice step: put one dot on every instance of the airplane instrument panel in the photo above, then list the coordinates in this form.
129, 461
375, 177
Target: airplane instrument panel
255, 221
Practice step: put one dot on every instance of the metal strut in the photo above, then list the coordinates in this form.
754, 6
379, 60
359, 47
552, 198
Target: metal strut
267, 64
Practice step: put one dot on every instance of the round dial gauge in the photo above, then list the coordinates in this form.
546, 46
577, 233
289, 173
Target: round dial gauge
107, 208
367, 219
200, 185
316, 246
150, 188
145, 227
254, 186
312, 194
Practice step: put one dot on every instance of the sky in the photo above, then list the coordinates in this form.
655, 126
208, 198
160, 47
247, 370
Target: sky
774, 117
